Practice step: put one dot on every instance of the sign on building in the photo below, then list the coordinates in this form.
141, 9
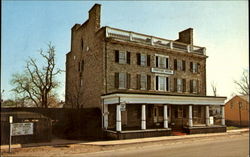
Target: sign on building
22, 129
162, 71
123, 106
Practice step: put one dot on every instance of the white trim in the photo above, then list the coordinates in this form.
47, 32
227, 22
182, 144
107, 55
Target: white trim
160, 55
162, 99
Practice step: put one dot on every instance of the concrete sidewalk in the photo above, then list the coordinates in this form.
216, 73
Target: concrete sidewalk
58, 142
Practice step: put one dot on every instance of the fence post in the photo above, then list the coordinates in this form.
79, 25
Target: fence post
10, 121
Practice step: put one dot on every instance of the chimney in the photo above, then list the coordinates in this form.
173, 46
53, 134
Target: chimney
95, 16
186, 36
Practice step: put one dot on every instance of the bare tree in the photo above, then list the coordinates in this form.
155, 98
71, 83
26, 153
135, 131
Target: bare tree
38, 82
74, 96
214, 88
243, 83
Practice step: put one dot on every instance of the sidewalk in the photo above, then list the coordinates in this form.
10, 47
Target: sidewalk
57, 142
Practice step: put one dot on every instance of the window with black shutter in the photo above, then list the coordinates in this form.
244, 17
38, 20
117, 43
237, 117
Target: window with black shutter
138, 81
167, 63
128, 80
191, 66
148, 60
198, 68
128, 57
138, 58
184, 85
156, 62
148, 82
191, 86
167, 84
156, 82
175, 64
117, 80
184, 65
175, 84
116, 56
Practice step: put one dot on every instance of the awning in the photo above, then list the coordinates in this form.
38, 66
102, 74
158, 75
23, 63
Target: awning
162, 99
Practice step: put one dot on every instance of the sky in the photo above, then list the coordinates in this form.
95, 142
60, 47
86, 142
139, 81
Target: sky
220, 26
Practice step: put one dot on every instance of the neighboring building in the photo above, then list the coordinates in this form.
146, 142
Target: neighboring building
146, 84
237, 111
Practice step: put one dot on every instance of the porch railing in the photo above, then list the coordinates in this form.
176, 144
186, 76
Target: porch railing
151, 40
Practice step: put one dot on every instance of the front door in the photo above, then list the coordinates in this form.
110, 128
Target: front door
178, 113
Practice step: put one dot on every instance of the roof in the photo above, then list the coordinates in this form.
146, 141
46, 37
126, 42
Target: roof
244, 97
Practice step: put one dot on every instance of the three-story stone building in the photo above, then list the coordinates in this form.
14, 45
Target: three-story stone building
144, 85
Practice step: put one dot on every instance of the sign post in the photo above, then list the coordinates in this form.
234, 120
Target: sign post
10, 121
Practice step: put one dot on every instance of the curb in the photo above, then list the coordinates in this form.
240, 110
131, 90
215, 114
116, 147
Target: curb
133, 141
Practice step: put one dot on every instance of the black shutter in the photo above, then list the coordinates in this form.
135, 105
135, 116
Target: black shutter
128, 57
191, 86
148, 82
167, 85
184, 85
156, 82
82, 66
198, 68
116, 56
156, 62
117, 80
79, 66
175, 84
148, 60
175, 64
128, 80
138, 81
191, 66
198, 86
167, 63
138, 58
184, 65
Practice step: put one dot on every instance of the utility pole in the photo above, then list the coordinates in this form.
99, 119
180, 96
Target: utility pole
240, 106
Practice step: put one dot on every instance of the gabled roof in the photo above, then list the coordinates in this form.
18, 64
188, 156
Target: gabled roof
244, 97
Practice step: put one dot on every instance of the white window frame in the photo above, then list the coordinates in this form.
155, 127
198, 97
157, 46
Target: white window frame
122, 80
179, 65
195, 86
195, 67
122, 60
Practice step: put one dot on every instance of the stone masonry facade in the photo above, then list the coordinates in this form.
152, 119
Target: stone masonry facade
91, 66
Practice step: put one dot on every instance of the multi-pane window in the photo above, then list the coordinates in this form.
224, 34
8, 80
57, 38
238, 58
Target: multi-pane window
179, 65
179, 85
194, 67
122, 80
193, 86
162, 83
143, 82
143, 60
161, 62
122, 57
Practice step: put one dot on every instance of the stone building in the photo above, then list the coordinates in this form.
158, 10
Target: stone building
237, 111
144, 85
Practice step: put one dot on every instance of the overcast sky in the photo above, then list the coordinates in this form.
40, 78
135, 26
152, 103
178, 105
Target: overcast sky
220, 26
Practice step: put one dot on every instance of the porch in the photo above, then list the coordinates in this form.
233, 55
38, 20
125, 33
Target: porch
140, 115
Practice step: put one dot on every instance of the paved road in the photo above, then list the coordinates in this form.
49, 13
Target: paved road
236, 146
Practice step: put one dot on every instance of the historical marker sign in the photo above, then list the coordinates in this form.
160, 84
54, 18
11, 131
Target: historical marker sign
22, 129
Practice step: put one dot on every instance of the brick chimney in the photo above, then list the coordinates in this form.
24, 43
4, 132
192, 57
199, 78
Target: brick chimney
186, 36
95, 16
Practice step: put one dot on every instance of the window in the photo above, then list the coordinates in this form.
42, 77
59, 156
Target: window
183, 65
179, 65
122, 57
162, 83
143, 82
195, 68
122, 80
179, 85
143, 60
193, 86
161, 62
183, 85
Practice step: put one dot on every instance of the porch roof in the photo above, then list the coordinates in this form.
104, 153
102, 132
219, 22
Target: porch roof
132, 98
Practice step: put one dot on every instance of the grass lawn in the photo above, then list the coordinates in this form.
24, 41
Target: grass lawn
232, 128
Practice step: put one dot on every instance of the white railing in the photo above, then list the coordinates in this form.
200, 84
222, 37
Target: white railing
146, 39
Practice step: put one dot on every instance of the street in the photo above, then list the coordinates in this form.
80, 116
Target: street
236, 146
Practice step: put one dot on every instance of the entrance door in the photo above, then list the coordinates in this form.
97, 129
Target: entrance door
177, 121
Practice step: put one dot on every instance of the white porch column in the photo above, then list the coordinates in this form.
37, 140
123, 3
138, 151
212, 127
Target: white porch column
165, 109
190, 117
207, 115
105, 116
143, 117
118, 118
222, 115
